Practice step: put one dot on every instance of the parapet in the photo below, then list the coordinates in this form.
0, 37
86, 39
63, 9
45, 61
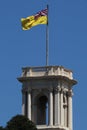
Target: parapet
46, 71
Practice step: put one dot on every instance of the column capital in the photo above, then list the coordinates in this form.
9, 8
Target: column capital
26, 89
50, 89
57, 89
29, 90
70, 93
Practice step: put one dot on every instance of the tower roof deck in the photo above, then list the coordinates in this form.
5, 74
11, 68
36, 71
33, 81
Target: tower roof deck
46, 71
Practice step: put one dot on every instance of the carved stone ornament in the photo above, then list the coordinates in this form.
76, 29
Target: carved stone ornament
57, 89
70, 93
50, 89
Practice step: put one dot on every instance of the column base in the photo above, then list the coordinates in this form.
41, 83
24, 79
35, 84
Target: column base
45, 127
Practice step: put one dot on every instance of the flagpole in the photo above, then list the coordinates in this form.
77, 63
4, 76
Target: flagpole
47, 40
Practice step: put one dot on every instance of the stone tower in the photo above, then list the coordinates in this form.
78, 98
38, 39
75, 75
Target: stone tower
47, 96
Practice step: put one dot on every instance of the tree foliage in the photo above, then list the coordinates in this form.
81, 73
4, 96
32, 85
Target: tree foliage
20, 122
1, 128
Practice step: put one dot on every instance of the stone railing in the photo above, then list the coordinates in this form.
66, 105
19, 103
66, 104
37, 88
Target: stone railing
46, 71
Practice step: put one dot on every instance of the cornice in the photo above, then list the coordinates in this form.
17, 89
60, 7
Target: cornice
53, 77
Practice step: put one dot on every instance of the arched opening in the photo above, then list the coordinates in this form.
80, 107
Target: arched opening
42, 110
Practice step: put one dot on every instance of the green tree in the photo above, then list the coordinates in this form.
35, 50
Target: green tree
20, 122
1, 128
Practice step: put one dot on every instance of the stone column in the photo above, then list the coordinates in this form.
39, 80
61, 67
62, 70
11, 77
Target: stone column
33, 115
29, 104
51, 107
23, 103
57, 106
62, 110
70, 109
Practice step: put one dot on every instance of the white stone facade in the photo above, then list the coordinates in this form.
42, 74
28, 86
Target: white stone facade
47, 96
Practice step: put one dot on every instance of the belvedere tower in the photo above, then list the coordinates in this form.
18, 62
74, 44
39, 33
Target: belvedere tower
47, 96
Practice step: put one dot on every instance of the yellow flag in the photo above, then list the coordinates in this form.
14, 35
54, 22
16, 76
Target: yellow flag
39, 18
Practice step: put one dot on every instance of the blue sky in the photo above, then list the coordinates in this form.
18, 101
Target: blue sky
67, 47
